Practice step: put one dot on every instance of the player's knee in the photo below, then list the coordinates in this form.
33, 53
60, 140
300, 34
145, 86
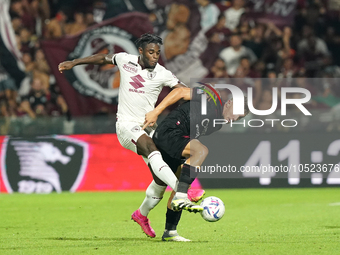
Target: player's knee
145, 146
151, 147
203, 151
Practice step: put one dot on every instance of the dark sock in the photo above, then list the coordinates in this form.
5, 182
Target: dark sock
188, 175
172, 219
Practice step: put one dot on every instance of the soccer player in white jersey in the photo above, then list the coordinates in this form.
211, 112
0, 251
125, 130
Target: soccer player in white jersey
141, 81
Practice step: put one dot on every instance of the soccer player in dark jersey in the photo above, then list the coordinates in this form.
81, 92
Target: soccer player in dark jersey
178, 145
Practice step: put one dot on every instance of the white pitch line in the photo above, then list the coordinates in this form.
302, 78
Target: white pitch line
334, 204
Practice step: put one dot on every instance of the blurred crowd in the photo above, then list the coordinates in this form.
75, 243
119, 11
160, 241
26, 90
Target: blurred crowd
242, 46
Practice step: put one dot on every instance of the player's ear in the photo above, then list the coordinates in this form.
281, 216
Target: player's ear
140, 50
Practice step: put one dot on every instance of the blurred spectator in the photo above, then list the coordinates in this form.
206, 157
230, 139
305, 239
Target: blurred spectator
178, 14
89, 18
218, 37
289, 69
177, 41
233, 54
266, 100
209, 14
313, 52
41, 69
20, 8
25, 40
332, 40
8, 89
37, 99
40, 62
40, 11
16, 23
78, 26
219, 34
55, 28
245, 72
233, 14
314, 15
218, 70
256, 41
56, 105
244, 69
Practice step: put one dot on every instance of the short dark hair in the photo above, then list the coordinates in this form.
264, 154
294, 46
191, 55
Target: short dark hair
145, 39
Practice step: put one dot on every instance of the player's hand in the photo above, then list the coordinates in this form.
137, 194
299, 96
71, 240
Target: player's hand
150, 119
67, 65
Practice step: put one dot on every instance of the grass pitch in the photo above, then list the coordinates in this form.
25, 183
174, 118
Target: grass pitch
256, 221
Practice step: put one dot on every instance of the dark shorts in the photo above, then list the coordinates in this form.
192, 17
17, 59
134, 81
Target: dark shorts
171, 142
173, 163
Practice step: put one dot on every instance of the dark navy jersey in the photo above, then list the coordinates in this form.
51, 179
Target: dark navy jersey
188, 118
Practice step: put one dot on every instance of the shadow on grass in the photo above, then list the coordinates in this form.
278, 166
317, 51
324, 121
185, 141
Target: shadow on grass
95, 238
332, 227
131, 239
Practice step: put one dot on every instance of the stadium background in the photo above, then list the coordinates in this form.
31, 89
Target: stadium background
58, 131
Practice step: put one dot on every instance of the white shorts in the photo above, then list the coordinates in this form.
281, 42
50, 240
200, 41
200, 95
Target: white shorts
129, 132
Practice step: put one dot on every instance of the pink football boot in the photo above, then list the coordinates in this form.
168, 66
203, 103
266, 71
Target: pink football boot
144, 222
195, 195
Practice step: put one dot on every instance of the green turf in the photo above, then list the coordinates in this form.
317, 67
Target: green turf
256, 221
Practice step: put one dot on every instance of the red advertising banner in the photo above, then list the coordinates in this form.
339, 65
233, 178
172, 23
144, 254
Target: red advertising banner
70, 163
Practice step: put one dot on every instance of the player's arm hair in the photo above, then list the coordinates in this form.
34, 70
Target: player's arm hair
97, 59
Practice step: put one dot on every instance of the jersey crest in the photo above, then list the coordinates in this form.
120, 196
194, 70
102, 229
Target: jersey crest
151, 75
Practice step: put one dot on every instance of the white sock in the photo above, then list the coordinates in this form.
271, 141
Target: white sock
162, 170
181, 195
146, 160
171, 232
154, 194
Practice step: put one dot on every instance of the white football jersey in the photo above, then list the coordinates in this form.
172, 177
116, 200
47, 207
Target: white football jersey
139, 88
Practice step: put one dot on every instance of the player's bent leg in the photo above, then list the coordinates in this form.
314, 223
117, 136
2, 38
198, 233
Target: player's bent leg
197, 153
146, 147
154, 194
172, 220
194, 195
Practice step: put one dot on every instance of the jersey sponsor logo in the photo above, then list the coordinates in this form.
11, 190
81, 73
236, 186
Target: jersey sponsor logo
38, 165
137, 81
130, 68
151, 75
136, 129
137, 91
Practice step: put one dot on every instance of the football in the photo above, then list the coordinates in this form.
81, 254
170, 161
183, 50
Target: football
213, 209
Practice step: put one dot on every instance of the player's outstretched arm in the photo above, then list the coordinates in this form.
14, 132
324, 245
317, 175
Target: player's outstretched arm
97, 59
174, 96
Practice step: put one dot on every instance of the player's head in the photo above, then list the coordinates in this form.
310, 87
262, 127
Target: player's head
228, 111
149, 49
